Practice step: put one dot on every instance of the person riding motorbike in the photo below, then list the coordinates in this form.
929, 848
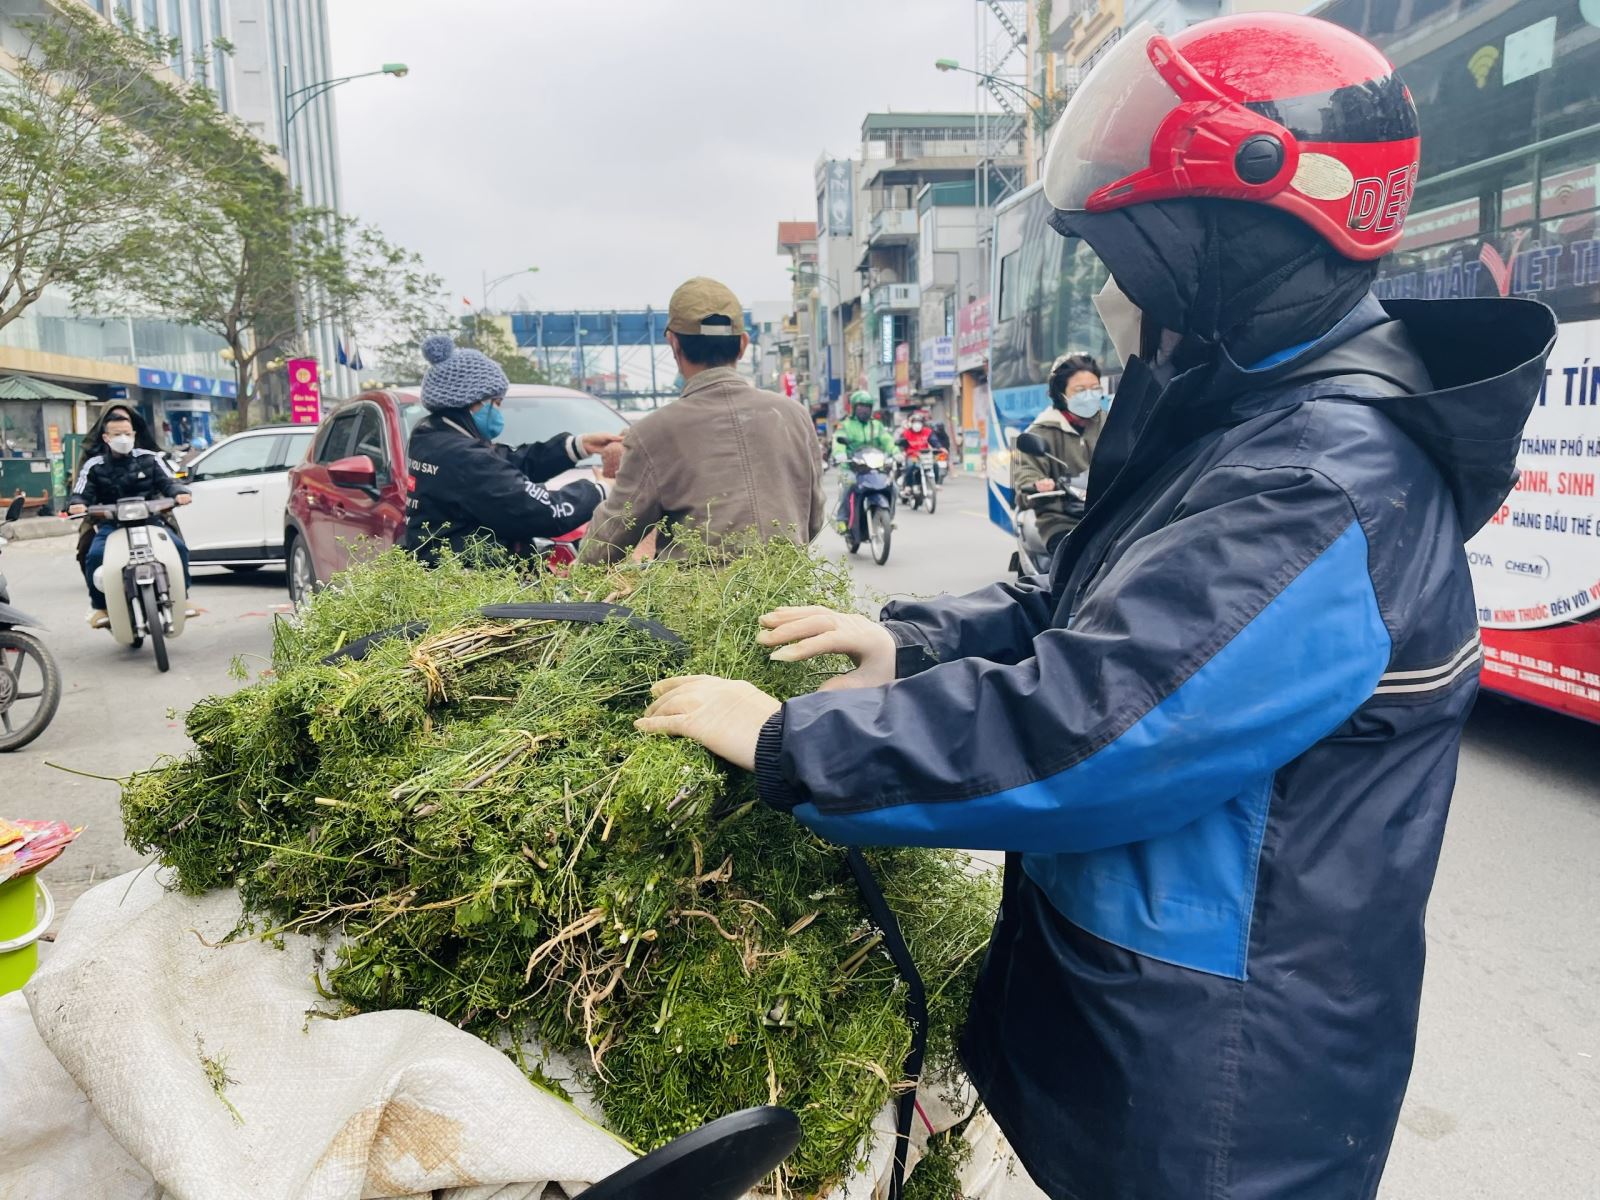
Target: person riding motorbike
917, 437
467, 486
857, 431
914, 440
121, 461
1218, 740
1070, 428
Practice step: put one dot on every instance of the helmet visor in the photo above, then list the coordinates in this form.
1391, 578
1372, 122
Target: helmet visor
1105, 133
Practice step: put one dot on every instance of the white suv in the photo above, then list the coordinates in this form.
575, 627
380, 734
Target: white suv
240, 488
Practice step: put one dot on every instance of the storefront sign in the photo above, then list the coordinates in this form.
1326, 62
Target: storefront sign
305, 394
195, 385
972, 335
938, 362
53, 439
902, 373
1537, 561
838, 217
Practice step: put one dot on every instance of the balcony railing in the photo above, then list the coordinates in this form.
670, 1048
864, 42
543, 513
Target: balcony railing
892, 225
896, 296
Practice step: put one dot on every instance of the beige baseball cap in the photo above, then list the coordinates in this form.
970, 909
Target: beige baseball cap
700, 298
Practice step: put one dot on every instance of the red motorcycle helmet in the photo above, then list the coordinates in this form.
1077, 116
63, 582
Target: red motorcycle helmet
1273, 108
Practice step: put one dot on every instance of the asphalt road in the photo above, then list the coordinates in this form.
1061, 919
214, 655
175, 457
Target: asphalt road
1504, 1101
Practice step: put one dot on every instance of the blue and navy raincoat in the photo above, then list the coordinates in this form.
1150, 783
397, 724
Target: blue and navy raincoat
1218, 743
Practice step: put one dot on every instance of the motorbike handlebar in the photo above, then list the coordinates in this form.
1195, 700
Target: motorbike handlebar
109, 511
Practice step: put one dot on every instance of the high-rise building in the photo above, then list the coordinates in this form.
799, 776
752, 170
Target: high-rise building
259, 58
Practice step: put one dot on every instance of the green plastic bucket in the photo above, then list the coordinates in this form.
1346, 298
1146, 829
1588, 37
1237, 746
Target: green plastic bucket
26, 911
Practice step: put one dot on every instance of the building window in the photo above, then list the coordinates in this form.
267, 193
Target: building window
219, 60
195, 43
175, 31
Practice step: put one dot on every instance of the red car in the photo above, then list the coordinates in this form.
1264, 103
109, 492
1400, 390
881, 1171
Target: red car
353, 483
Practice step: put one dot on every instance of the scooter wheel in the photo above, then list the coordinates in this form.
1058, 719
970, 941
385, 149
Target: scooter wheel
18, 688
153, 626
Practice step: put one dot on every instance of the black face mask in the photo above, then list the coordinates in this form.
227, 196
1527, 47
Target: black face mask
863, 415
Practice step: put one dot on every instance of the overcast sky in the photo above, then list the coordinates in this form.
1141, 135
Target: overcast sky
624, 146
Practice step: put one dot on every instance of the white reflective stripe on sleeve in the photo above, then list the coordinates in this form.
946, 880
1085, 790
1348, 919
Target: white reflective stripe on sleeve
1431, 678
83, 474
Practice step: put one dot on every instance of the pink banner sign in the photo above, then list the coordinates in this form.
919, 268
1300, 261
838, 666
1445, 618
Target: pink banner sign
305, 392
972, 335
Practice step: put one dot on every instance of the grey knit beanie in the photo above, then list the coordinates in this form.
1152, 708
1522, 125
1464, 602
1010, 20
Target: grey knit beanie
458, 378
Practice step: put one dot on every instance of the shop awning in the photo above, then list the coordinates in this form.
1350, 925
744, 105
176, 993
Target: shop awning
26, 387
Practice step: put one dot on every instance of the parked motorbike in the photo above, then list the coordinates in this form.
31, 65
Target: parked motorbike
1031, 556
869, 510
30, 681
142, 575
918, 483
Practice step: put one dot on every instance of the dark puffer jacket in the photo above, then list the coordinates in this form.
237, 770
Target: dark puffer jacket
1218, 743
465, 486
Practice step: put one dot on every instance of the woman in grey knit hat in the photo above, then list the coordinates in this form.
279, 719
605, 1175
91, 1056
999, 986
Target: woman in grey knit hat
466, 485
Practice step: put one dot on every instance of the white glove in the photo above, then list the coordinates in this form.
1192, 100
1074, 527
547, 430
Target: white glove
805, 632
723, 715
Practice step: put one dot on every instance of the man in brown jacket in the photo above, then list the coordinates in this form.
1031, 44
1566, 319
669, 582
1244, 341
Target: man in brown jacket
723, 458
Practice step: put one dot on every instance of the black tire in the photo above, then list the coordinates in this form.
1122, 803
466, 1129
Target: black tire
153, 626
882, 527
933, 498
302, 573
16, 646
242, 568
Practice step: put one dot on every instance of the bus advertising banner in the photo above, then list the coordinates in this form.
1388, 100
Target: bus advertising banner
1536, 564
1537, 561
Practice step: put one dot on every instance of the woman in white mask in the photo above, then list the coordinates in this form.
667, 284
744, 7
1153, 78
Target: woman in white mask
1070, 427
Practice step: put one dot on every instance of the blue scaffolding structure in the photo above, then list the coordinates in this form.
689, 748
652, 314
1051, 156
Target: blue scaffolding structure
575, 335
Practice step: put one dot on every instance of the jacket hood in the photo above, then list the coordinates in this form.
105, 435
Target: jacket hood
1223, 273
143, 437
1459, 377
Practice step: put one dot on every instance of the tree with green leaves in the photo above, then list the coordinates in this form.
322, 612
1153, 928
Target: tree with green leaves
80, 173
237, 251
486, 333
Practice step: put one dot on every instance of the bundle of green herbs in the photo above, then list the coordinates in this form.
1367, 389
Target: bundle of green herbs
469, 808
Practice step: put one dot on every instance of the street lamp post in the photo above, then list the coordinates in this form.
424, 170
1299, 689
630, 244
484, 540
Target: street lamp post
306, 95
950, 64
322, 87
490, 284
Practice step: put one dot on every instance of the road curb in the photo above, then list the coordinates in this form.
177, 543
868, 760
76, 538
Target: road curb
33, 528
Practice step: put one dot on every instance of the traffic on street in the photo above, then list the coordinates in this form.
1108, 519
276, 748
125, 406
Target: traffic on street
1071, 673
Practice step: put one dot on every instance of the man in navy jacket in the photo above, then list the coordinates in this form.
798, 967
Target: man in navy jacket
1218, 741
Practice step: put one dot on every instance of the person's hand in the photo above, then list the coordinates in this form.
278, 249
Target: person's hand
807, 631
594, 443
611, 459
1044, 485
185, 498
76, 510
723, 715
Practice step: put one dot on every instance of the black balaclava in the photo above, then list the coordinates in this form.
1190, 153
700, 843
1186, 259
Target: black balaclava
1223, 272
